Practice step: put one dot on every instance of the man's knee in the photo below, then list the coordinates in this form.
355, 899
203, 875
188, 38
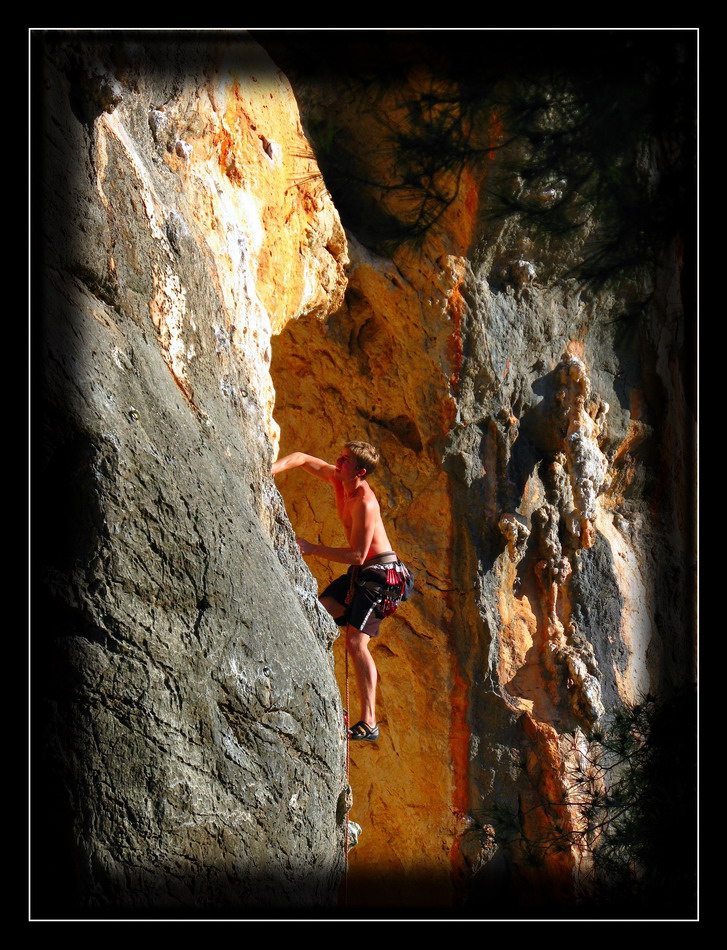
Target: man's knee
356, 640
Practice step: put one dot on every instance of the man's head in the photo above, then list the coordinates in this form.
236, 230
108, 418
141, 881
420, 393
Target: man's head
365, 456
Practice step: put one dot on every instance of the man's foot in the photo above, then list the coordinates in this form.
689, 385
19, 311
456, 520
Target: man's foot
362, 732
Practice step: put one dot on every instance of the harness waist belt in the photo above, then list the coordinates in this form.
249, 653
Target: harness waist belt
388, 557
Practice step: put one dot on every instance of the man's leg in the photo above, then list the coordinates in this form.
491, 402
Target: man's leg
335, 609
357, 644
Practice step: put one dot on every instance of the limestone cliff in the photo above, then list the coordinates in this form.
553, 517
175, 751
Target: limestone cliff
491, 319
189, 750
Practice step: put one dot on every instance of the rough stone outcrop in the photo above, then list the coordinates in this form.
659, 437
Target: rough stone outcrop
188, 744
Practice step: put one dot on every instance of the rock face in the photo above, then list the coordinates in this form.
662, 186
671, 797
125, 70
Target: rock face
189, 748
524, 372
529, 408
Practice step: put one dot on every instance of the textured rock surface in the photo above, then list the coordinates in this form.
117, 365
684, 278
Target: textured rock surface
528, 424
189, 743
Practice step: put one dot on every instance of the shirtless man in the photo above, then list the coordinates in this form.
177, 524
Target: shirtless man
369, 554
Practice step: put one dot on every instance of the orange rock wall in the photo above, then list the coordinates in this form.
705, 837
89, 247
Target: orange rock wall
378, 370
506, 455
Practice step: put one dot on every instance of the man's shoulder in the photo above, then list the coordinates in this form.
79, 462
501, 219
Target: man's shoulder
369, 499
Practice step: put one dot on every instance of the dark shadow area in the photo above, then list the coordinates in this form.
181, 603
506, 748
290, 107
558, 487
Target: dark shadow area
579, 116
635, 781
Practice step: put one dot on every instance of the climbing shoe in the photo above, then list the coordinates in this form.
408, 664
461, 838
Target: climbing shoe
362, 732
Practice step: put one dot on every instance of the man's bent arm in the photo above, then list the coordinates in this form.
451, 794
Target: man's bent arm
310, 463
362, 535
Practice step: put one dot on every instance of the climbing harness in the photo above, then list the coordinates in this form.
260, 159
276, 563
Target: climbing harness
395, 585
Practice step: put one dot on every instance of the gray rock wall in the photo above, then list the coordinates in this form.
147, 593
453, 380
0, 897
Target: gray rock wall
188, 739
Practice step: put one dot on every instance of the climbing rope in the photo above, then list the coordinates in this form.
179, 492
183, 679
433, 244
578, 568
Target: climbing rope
347, 792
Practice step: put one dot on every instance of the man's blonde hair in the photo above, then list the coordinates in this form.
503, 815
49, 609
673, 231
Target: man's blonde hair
364, 455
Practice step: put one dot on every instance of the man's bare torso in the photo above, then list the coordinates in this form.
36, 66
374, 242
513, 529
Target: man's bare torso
362, 504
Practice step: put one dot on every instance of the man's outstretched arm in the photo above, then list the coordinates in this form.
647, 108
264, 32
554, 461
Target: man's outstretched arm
310, 463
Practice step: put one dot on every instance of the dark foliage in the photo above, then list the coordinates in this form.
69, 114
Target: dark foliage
596, 131
632, 806
645, 815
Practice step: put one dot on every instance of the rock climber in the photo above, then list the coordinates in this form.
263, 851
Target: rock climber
376, 579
